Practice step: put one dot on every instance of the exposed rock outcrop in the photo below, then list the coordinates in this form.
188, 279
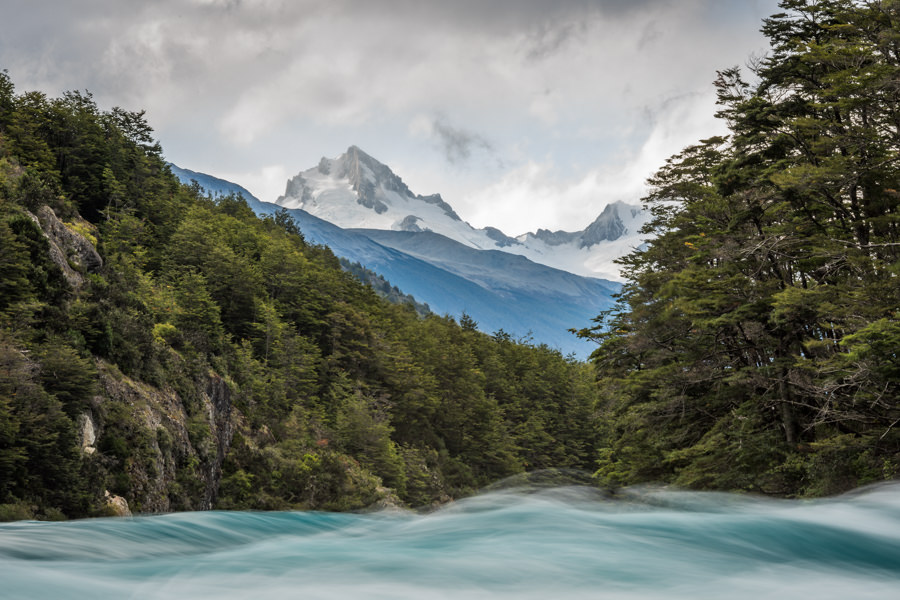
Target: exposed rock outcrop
388, 501
217, 399
71, 251
607, 227
116, 506
87, 433
410, 223
501, 238
176, 463
297, 188
556, 238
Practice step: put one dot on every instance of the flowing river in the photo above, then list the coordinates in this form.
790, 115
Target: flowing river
561, 543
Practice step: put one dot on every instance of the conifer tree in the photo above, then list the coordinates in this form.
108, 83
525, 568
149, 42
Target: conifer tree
742, 355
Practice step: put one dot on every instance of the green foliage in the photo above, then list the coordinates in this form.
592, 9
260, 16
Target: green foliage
223, 361
14, 266
66, 375
755, 345
39, 460
16, 512
7, 99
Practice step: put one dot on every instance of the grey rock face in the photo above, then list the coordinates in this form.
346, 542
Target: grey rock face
438, 201
117, 506
358, 162
556, 238
410, 223
217, 398
367, 196
70, 251
369, 178
607, 227
88, 433
358, 166
160, 417
296, 188
501, 238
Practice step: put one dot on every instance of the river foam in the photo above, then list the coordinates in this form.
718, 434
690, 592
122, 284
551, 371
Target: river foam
568, 542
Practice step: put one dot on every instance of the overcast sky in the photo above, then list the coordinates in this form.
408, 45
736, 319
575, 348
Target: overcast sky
521, 113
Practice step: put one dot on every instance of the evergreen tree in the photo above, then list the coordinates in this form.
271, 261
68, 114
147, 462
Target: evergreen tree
735, 359
222, 361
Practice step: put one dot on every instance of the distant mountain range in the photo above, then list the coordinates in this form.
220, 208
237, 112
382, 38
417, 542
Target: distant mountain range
212, 185
355, 191
365, 213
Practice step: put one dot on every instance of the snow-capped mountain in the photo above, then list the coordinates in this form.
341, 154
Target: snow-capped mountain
589, 252
355, 191
539, 284
497, 289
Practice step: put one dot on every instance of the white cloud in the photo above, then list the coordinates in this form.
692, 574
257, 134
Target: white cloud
532, 196
266, 183
578, 101
536, 195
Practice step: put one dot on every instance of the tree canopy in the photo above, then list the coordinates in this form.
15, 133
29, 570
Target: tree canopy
755, 345
272, 378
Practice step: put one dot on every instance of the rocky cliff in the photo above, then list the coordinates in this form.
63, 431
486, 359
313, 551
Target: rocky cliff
170, 458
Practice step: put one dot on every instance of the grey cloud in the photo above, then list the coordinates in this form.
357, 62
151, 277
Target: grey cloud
228, 73
649, 35
653, 113
91, 43
494, 16
547, 40
516, 12
458, 144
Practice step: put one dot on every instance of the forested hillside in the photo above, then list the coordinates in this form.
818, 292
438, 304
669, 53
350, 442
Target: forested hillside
757, 342
179, 352
175, 351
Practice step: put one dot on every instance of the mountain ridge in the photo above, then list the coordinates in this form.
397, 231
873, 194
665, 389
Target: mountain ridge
500, 291
356, 191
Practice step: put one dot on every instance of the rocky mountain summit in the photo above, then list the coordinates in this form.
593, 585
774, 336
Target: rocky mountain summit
356, 191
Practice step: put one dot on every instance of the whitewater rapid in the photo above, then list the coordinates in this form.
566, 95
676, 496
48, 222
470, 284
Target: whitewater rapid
554, 543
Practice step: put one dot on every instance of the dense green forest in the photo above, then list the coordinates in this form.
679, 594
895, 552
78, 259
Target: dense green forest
181, 353
756, 345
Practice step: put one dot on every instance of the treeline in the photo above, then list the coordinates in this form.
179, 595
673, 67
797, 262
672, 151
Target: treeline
383, 287
134, 309
179, 351
756, 345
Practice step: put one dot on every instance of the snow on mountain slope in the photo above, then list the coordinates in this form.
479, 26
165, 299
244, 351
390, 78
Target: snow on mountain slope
355, 191
498, 290
492, 269
591, 252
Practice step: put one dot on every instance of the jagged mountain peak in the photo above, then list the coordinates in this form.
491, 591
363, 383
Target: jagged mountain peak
608, 226
356, 190
501, 238
552, 238
367, 176
618, 219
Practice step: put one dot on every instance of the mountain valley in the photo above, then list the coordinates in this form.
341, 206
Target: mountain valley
536, 287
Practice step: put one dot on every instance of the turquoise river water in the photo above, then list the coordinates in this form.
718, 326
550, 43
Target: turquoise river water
566, 543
